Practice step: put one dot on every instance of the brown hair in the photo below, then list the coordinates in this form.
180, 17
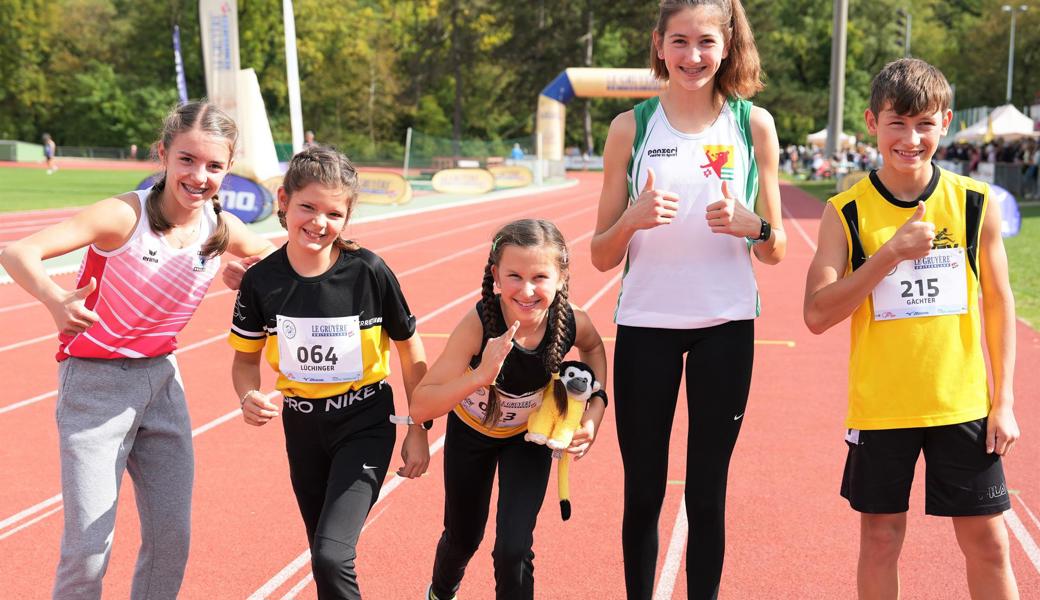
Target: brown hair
740, 74
210, 119
909, 86
325, 166
528, 233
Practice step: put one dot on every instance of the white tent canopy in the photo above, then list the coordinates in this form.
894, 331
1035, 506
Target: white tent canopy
820, 139
1005, 122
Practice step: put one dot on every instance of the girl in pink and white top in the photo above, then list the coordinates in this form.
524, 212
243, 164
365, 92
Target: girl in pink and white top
151, 256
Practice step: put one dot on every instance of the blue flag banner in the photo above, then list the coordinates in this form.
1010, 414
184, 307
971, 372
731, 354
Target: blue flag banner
182, 85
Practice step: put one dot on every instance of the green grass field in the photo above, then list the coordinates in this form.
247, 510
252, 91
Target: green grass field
1022, 253
34, 189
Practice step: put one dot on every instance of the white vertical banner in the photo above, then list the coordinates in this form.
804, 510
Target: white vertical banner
255, 157
292, 76
219, 24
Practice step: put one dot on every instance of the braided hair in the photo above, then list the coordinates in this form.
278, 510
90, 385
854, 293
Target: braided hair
528, 233
210, 119
327, 167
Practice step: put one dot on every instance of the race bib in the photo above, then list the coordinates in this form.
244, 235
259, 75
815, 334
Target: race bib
515, 409
925, 287
325, 350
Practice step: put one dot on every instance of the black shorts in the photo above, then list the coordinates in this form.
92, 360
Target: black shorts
961, 479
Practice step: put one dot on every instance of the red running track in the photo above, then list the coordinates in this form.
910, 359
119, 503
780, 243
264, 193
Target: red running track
790, 534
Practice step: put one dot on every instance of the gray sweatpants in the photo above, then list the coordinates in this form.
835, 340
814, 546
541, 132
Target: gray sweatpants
116, 415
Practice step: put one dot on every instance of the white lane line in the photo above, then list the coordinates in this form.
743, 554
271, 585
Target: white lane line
56, 499
16, 345
8, 534
32, 400
19, 306
1022, 534
603, 290
673, 559
798, 226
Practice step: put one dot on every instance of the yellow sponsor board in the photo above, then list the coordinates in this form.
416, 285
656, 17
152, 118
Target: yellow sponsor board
463, 181
383, 187
512, 176
616, 83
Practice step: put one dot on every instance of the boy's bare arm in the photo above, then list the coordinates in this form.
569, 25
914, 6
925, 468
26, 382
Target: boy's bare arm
998, 309
831, 297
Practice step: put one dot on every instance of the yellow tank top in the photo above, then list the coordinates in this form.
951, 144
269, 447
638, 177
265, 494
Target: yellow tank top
920, 371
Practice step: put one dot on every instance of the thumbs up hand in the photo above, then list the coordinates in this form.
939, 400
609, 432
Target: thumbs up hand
731, 217
69, 311
653, 207
914, 238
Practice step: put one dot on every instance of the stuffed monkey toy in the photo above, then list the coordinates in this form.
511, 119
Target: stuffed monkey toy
559, 416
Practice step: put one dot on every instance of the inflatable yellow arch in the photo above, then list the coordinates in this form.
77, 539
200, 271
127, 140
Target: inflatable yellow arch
585, 83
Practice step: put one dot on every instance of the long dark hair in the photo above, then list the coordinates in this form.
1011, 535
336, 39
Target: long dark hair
325, 166
528, 233
210, 119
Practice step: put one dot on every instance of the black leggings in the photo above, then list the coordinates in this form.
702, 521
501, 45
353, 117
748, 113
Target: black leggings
648, 368
337, 463
470, 459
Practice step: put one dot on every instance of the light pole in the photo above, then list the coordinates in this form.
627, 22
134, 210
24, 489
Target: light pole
1011, 47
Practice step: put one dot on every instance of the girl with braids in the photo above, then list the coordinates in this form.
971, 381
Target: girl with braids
151, 255
323, 310
690, 192
490, 377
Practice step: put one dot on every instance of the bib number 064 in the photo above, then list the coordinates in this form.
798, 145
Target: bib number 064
315, 354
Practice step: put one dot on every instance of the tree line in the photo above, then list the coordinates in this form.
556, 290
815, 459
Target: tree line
101, 72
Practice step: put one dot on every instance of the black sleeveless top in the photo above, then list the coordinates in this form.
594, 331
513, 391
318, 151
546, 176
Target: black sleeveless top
523, 371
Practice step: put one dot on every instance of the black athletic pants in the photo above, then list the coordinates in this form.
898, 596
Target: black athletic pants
470, 459
648, 368
337, 462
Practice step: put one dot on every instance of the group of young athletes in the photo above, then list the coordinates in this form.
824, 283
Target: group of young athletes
690, 193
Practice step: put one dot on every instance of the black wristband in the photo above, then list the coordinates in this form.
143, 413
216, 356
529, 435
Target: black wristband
765, 231
600, 394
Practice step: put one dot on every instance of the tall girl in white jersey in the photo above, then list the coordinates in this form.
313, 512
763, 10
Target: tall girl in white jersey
689, 193
151, 256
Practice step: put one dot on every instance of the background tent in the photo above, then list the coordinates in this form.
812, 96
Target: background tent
1005, 122
820, 139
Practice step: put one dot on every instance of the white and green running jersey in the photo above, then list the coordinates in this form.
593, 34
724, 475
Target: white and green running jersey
681, 275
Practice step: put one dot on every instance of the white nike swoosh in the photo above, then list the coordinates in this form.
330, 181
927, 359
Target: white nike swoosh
737, 418
366, 466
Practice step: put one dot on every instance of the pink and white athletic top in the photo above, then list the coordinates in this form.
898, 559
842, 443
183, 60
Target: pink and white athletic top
146, 292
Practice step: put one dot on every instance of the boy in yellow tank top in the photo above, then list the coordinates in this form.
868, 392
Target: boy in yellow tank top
904, 253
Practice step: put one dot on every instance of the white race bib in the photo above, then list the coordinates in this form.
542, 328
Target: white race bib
515, 410
925, 287
325, 350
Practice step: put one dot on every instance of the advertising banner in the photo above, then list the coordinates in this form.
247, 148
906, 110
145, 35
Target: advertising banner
244, 198
218, 20
463, 181
511, 176
383, 187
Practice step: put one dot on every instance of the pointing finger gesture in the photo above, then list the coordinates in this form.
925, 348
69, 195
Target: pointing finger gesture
494, 355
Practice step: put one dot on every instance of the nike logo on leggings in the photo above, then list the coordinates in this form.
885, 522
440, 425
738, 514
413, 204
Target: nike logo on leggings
737, 418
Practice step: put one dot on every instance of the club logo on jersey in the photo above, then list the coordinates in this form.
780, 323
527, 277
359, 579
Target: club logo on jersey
663, 152
199, 262
150, 255
943, 239
720, 161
